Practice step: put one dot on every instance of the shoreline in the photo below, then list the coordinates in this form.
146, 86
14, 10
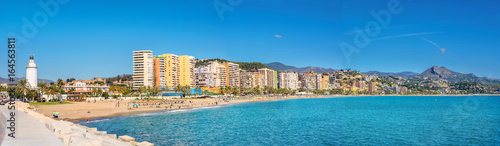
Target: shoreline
112, 112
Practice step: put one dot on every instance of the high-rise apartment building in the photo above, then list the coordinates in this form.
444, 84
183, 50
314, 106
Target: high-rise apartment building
186, 70
159, 72
245, 80
360, 85
171, 73
325, 82
257, 79
310, 81
142, 69
288, 80
204, 78
269, 76
372, 86
232, 74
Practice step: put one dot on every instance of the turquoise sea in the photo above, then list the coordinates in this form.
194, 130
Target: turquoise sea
400, 120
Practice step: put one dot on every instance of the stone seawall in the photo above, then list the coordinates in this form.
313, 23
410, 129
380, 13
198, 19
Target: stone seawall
77, 135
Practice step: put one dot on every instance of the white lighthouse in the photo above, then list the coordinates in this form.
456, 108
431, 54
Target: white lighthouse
31, 74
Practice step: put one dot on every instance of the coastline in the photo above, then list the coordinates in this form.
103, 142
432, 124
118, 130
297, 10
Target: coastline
76, 112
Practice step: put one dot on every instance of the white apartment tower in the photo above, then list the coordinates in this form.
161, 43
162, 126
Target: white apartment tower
289, 80
143, 69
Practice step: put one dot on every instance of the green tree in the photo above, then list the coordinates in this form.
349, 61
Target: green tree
60, 83
99, 92
42, 88
141, 90
23, 88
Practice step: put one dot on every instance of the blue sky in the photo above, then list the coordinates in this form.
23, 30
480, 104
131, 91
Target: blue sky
91, 38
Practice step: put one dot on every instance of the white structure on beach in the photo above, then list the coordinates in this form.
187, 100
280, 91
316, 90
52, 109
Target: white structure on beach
31, 73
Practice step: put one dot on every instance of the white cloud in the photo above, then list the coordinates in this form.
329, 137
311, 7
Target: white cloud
443, 50
278, 36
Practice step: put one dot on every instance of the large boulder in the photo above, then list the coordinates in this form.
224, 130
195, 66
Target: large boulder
126, 138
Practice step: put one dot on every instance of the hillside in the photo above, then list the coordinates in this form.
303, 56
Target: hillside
282, 67
405, 74
452, 76
248, 66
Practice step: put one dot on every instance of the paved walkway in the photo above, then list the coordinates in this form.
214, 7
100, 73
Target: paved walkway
29, 132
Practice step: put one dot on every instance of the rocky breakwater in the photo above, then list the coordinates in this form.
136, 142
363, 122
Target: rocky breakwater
77, 135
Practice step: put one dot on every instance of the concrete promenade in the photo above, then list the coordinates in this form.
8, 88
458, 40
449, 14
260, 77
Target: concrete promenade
28, 130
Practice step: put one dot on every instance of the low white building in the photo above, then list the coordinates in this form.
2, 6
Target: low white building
84, 88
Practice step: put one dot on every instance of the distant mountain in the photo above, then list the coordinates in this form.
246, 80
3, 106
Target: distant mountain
405, 74
6, 80
279, 66
446, 74
282, 67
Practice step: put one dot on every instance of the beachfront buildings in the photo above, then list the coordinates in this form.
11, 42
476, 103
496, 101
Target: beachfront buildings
165, 71
171, 70
360, 85
142, 69
325, 82
176, 70
207, 76
186, 70
288, 80
86, 89
310, 81
257, 79
159, 71
270, 76
232, 74
372, 86
224, 74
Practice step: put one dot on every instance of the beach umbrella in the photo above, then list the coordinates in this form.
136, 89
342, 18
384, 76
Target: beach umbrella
55, 113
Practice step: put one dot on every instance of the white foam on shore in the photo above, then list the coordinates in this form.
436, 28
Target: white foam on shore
170, 111
97, 120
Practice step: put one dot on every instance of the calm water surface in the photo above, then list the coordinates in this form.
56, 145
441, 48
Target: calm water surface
410, 120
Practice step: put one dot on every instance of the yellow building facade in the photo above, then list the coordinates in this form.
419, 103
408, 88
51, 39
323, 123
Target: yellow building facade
186, 70
171, 73
325, 82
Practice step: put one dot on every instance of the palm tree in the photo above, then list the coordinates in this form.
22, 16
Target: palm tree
94, 90
185, 90
53, 91
140, 91
32, 93
42, 88
178, 88
235, 91
196, 89
155, 90
256, 90
60, 83
99, 92
23, 87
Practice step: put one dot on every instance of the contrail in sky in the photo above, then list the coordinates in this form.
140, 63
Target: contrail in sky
430, 42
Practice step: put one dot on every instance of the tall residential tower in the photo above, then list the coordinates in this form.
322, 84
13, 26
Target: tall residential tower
143, 69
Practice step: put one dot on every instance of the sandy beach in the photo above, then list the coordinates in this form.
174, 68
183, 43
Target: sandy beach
80, 111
